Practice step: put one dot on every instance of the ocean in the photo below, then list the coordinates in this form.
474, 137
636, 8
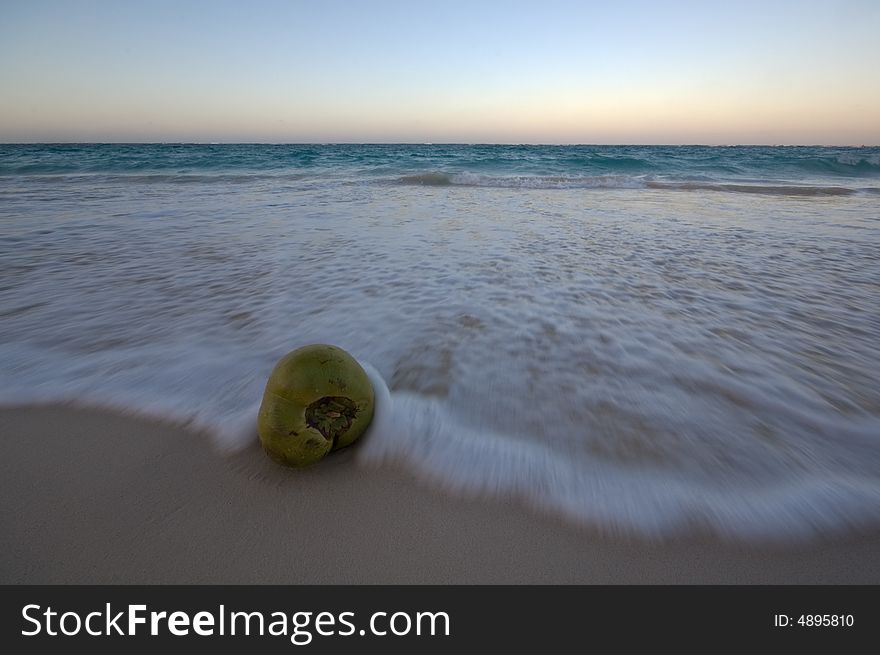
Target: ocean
649, 340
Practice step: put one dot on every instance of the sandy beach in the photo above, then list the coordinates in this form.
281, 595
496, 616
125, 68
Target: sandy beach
90, 496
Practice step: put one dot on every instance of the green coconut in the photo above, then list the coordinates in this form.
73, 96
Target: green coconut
317, 399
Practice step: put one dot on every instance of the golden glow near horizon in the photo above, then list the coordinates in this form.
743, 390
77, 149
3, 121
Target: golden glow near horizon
638, 72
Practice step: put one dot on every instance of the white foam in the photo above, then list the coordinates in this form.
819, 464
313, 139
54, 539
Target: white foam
636, 500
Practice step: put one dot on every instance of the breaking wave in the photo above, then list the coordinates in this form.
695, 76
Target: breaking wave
440, 179
763, 189
524, 181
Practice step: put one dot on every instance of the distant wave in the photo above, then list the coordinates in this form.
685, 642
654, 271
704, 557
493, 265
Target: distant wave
436, 178
524, 181
426, 179
764, 189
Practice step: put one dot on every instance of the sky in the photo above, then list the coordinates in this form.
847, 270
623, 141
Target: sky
616, 71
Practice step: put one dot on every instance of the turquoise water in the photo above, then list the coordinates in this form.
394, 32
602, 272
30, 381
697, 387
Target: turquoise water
650, 340
820, 170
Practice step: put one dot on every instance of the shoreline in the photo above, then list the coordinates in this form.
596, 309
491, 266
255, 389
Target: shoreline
90, 496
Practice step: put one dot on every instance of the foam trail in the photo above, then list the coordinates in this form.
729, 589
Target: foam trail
418, 432
383, 412
238, 431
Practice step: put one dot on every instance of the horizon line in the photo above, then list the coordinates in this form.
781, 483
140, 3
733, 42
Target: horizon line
439, 143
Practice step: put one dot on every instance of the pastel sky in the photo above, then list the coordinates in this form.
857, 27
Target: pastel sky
616, 71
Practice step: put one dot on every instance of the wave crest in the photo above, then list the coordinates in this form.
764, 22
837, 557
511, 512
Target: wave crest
847, 164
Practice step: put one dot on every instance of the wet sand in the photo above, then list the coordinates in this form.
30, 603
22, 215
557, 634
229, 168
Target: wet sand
90, 496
